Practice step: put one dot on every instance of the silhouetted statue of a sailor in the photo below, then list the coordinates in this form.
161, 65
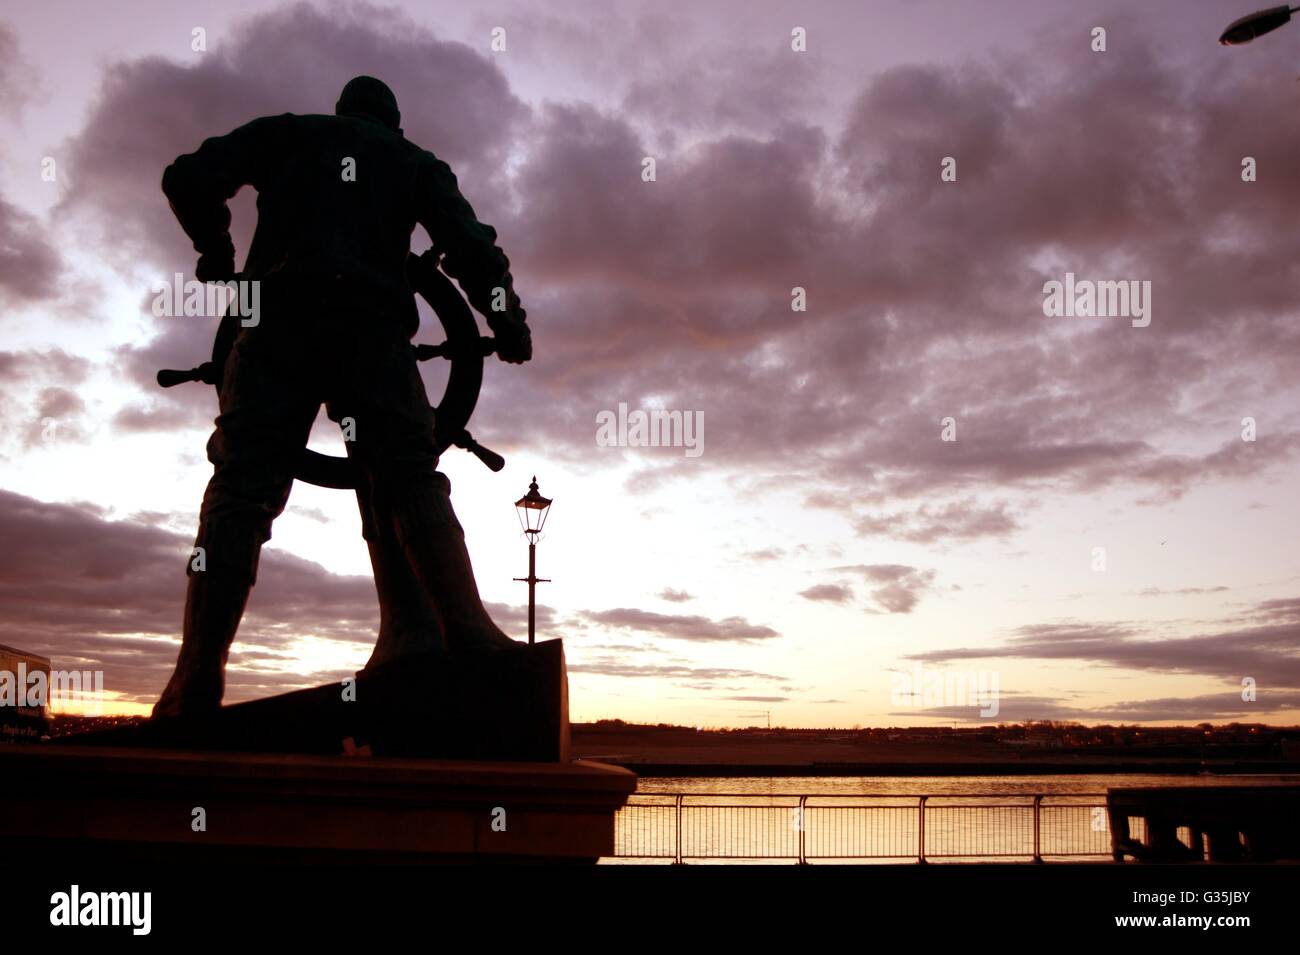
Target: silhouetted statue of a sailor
338, 199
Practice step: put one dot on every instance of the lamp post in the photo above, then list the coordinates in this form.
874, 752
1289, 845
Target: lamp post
1256, 24
532, 509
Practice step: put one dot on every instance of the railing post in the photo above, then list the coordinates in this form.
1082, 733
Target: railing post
920, 841
803, 828
1038, 846
678, 860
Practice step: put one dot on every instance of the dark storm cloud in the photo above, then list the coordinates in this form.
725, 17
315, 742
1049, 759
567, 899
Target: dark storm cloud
924, 297
706, 677
296, 59
1180, 591
701, 94
957, 520
92, 593
684, 79
896, 588
828, 593
847, 399
30, 266
514, 619
1262, 643
37, 391
1227, 706
162, 414
694, 628
99, 594
1195, 709
59, 417
18, 78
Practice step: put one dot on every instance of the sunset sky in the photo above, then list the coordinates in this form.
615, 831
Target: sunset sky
827, 537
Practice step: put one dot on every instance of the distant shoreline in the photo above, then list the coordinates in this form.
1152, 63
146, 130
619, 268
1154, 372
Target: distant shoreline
962, 768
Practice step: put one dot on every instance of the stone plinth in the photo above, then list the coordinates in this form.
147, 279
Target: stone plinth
119, 805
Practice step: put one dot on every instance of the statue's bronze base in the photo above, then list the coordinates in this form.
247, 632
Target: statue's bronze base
510, 704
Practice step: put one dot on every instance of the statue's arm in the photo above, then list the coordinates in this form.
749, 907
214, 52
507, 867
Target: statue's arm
199, 185
472, 257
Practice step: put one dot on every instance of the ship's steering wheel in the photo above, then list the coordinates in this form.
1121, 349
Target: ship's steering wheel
464, 348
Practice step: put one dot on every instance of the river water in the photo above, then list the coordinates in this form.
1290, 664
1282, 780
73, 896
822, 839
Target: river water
934, 785
882, 818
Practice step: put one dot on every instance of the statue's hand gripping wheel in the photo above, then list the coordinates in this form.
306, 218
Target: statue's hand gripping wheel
465, 348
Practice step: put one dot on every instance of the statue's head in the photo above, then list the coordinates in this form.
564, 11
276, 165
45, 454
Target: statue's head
371, 98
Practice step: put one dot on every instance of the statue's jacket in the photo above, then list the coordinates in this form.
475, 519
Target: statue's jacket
338, 199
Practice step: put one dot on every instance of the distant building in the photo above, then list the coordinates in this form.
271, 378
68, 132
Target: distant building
24, 694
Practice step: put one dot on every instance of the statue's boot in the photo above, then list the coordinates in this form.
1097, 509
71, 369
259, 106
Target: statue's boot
408, 622
214, 603
441, 563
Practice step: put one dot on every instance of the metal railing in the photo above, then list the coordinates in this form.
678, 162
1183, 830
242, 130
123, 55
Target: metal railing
868, 826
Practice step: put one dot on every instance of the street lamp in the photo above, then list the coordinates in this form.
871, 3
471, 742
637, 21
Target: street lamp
532, 509
1256, 24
